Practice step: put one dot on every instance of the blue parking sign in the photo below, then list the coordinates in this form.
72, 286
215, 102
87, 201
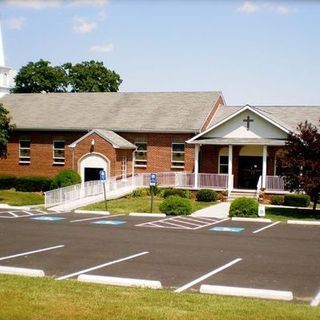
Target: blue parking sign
102, 175
153, 179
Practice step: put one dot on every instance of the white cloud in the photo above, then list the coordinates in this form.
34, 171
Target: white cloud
98, 3
251, 7
15, 23
105, 48
83, 25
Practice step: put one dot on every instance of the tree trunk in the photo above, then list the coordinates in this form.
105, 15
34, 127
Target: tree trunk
315, 202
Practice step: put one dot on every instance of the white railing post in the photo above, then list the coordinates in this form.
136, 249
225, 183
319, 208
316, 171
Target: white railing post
264, 167
230, 176
196, 165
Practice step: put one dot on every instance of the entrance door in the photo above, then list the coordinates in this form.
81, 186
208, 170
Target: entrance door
92, 174
250, 169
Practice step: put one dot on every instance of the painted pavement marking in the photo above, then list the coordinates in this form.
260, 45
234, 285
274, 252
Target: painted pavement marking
110, 222
14, 214
102, 265
48, 218
207, 275
180, 222
32, 252
228, 229
316, 301
266, 227
96, 218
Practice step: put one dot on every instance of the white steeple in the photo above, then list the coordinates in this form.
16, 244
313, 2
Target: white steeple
4, 71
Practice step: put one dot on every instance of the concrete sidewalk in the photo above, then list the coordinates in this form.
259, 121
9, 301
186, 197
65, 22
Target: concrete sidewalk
220, 210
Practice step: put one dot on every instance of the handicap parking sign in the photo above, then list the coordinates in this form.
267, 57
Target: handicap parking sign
102, 175
153, 179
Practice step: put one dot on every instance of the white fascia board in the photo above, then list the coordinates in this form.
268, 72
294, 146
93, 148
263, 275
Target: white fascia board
246, 107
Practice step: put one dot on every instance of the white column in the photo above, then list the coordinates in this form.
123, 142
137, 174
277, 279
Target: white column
196, 165
264, 166
230, 180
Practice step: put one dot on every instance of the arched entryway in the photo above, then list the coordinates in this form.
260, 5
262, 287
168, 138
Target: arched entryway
91, 164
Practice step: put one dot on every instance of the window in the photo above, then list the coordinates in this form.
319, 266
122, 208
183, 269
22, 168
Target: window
24, 151
223, 164
124, 167
58, 152
177, 157
141, 154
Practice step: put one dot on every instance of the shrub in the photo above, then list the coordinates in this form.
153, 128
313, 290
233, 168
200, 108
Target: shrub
33, 184
65, 178
177, 192
140, 192
297, 200
277, 200
206, 195
7, 182
175, 205
244, 207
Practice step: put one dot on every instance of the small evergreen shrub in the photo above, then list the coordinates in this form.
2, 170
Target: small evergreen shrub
65, 178
33, 184
297, 200
176, 192
7, 182
140, 192
175, 205
277, 200
244, 207
206, 195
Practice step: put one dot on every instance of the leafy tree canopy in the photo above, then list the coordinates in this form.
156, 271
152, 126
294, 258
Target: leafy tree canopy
301, 161
87, 76
5, 130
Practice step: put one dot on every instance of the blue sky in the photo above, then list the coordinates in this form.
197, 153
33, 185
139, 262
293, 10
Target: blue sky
255, 52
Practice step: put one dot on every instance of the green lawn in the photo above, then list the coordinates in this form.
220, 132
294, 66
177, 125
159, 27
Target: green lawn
45, 298
139, 204
15, 198
283, 214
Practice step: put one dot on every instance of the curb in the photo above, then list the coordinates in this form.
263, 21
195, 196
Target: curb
6, 206
123, 282
247, 292
251, 219
304, 222
152, 215
22, 271
91, 211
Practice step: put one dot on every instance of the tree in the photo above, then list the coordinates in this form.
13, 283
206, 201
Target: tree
40, 76
301, 161
5, 130
91, 76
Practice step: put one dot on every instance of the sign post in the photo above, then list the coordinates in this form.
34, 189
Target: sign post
153, 183
103, 178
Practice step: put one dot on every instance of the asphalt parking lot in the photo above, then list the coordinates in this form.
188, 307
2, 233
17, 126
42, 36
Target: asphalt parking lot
182, 253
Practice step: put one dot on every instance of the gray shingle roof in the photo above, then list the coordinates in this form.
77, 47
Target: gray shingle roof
286, 116
116, 111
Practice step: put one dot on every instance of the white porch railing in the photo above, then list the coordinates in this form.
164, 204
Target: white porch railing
275, 183
63, 196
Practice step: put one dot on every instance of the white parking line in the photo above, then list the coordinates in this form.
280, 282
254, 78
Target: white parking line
207, 275
266, 227
13, 214
316, 301
211, 224
96, 218
28, 213
32, 252
102, 265
187, 222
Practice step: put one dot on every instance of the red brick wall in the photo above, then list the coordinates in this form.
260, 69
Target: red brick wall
209, 159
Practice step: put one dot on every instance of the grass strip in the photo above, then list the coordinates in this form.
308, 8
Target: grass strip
17, 198
45, 298
284, 214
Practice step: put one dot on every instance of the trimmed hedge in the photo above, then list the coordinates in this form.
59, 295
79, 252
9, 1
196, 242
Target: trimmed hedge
277, 200
65, 178
175, 205
25, 184
176, 192
297, 200
7, 182
244, 207
140, 192
206, 195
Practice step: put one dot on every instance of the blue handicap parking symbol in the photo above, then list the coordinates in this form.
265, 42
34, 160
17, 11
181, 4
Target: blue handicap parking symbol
110, 222
227, 229
47, 218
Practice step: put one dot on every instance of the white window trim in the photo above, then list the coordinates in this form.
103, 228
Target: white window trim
24, 148
177, 161
219, 164
53, 149
145, 161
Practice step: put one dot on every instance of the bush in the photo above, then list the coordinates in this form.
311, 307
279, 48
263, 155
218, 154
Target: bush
140, 192
65, 178
33, 184
277, 200
175, 205
7, 182
297, 200
176, 192
244, 207
206, 195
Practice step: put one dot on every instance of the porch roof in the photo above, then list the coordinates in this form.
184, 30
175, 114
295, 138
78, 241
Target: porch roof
240, 141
